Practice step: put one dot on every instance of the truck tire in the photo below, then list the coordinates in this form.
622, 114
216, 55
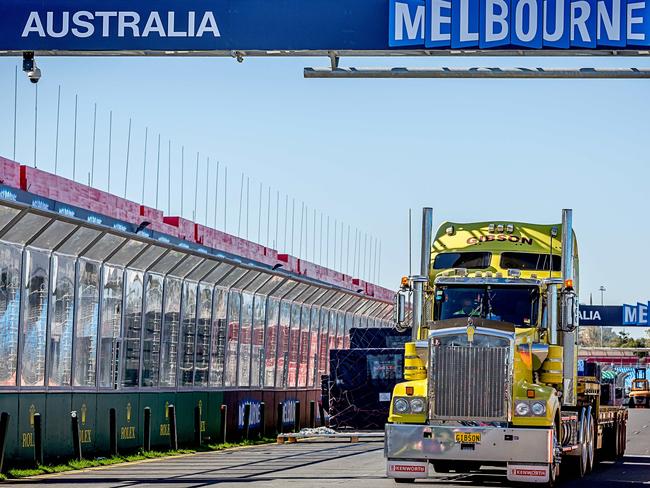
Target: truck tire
576, 466
591, 442
622, 437
611, 442
630, 404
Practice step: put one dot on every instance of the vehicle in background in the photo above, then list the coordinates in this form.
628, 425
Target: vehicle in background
640, 391
492, 367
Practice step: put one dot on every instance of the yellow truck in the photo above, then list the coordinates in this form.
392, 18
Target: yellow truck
491, 369
640, 391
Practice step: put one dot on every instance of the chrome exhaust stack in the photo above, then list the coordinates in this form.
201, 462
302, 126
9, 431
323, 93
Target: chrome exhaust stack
569, 312
425, 265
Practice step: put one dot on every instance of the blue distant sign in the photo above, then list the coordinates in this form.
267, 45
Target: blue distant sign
601, 315
340, 25
636, 314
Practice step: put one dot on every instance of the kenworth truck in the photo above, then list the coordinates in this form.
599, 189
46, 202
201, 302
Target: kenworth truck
491, 370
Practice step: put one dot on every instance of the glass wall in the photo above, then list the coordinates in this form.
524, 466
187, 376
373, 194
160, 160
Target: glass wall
10, 266
171, 325
133, 328
245, 339
219, 329
271, 341
85, 336
281, 371
59, 349
110, 330
303, 356
34, 326
152, 330
203, 326
92, 321
188, 332
232, 338
257, 351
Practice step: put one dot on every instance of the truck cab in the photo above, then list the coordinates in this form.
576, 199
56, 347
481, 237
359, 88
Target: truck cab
492, 366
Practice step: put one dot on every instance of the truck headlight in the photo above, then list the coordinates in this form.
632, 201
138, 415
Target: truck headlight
522, 409
401, 405
538, 409
417, 405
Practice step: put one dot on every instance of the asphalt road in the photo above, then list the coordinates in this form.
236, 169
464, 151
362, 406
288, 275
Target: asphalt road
330, 464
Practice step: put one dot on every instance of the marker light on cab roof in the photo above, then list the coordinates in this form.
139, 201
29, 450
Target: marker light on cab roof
510, 228
491, 228
500, 228
450, 230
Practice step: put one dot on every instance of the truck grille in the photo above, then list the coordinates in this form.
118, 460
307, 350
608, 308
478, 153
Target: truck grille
469, 382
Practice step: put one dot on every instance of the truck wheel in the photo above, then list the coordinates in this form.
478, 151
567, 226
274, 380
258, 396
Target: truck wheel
554, 468
630, 404
591, 444
404, 480
577, 465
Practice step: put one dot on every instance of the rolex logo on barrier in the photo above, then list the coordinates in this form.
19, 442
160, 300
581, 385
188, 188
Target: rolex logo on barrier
166, 410
84, 411
128, 412
32, 412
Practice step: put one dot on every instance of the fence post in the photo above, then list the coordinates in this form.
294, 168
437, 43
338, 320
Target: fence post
4, 426
76, 440
112, 428
312, 414
321, 411
197, 426
147, 429
38, 439
224, 423
173, 439
279, 419
296, 425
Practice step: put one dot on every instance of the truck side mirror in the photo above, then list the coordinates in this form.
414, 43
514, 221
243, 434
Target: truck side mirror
399, 310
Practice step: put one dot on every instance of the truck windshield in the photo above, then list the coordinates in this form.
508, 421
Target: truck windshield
517, 305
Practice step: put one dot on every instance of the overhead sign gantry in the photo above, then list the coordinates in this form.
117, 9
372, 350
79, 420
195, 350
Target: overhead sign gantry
333, 28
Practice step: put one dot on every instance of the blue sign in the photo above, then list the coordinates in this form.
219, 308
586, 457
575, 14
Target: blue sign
601, 315
255, 414
636, 314
342, 25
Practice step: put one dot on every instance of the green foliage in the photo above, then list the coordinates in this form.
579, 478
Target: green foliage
73, 465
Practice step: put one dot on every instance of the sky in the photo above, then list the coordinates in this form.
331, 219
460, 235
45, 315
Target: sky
361, 151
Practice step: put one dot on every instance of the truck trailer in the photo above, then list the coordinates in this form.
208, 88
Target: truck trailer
491, 368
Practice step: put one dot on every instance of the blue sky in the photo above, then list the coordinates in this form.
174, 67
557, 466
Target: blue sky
365, 151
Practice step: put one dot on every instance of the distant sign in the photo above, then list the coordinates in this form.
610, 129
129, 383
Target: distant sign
602, 315
636, 314
338, 25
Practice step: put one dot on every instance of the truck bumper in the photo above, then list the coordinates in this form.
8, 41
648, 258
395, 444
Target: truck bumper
526, 452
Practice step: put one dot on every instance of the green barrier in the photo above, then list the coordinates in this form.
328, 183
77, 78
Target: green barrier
127, 409
158, 403
57, 444
9, 404
28, 405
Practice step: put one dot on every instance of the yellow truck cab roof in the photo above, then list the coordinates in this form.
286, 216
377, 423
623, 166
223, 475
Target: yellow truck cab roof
497, 246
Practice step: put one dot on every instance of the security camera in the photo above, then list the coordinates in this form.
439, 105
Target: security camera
34, 75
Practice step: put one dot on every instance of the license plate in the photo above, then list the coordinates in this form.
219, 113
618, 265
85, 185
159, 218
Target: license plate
467, 437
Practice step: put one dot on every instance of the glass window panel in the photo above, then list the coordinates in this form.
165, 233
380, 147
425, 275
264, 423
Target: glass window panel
218, 273
151, 333
171, 324
257, 344
104, 247
170, 260
234, 308
188, 332
283, 345
303, 357
270, 285
219, 329
10, 266
314, 297
111, 326
53, 235
59, 351
132, 327
127, 253
6, 214
233, 277
340, 330
294, 344
313, 348
85, 338
333, 330
252, 281
326, 297
245, 339
348, 326
202, 270
186, 266
285, 288
271, 341
145, 260
26, 228
78, 241
34, 326
297, 291
323, 348
203, 335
